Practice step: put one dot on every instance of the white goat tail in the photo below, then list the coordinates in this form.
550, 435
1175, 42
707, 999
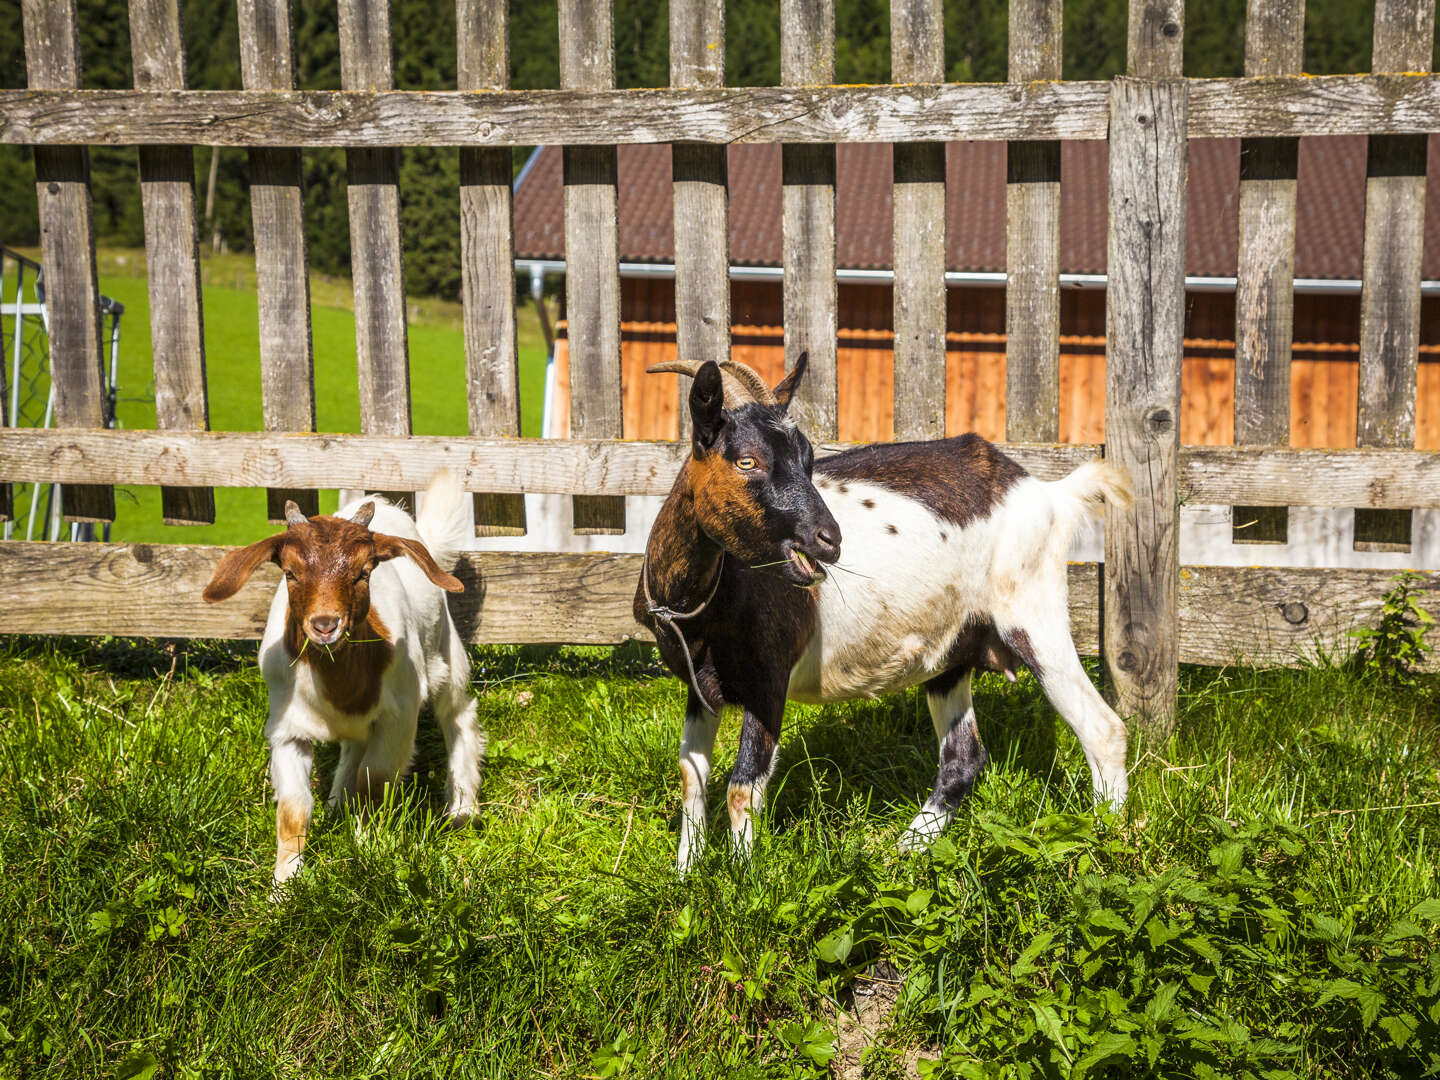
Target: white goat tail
443, 522
1096, 483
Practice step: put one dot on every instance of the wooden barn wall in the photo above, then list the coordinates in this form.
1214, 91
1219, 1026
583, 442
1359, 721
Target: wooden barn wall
1324, 373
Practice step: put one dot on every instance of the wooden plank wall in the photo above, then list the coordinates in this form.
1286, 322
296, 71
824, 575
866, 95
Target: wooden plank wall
487, 259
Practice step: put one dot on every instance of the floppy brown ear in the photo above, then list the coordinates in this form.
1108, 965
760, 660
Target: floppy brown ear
389, 547
785, 388
235, 568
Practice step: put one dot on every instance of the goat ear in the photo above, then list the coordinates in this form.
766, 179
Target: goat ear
390, 547
785, 388
707, 406
236, 567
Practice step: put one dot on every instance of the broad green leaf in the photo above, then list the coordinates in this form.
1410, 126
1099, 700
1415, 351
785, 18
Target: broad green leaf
1109, 920
1048, 1023
1401, 1029
918, 901
1108, 1045
141, 1065
1159, 1006
1427, 909
1025, 965
1202, 947
835, 948
1160, 932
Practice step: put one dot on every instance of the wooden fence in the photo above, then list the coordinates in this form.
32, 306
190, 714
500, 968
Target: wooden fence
1143, 610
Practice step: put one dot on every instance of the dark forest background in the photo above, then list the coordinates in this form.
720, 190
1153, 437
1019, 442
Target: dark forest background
1337, 39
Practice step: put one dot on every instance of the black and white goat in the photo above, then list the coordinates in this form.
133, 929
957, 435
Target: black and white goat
954, 558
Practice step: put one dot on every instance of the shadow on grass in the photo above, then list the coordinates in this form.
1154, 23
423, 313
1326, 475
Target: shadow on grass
137, 658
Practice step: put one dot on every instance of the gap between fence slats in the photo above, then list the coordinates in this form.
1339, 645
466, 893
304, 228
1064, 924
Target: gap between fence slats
592, 245
487, 259
807, 178
1265, 274
172, 256
67, 241
1144, 312
1032, 241
917, 55
282, 273
701, 202
1263, 616
1390, 296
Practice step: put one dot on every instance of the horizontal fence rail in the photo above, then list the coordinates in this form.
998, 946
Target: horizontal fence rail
1275, 616
1218, 108
1262, 476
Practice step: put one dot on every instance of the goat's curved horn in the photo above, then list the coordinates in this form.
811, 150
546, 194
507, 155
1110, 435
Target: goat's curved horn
293, 516
749, 378
363, 515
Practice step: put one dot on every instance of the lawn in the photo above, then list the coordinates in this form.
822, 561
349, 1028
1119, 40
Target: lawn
1264, 907
437, 379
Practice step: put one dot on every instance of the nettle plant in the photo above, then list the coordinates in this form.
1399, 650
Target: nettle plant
1395, 649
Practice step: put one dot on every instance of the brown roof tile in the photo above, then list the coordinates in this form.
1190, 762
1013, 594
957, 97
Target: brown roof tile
1329, 219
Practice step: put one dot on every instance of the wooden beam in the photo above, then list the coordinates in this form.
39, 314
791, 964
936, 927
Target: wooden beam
917, 55
1032, 241
1265, 274
807, 178
172, 255
702, 200
282, 276
487, 258
1267, 617
1144, 312
592, 247
67, 243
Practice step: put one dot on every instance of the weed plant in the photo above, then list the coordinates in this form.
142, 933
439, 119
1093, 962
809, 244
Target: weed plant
1264, 907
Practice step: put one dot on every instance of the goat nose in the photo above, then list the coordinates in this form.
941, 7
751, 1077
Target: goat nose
324, 625
827, 538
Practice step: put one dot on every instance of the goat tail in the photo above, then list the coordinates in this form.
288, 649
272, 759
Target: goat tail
1096, 483
443, 521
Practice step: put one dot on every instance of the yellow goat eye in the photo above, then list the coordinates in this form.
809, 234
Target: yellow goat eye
746, 463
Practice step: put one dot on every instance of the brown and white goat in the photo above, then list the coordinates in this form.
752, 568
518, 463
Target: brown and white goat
953, 558
357, 640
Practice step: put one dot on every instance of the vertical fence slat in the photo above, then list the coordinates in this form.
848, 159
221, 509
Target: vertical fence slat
67, 240
7, 490
1390, 295
377, 268
917, 55
1144, 322
277, 208
1032, 241
1265, 274
172, 257
487, 260
807, 58
592, 245
702, 199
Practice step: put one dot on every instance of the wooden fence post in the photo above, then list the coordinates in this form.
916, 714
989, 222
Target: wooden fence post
1265, 274
1032, 241
1144, 323
592, 255
282, 275
807, 58
487, 260
702, 199
917, 55
172, 256
1390, 295
67, 239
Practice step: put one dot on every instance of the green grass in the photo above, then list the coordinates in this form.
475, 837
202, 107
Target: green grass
1252, 914
437, 380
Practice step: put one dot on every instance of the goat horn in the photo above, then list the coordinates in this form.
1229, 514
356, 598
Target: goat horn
742, 386
293, 516
363, 515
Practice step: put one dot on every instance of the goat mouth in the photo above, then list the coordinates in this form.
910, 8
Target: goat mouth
810, 570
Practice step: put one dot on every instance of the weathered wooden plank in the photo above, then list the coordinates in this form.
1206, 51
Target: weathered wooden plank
917, 55
377, 268
1220, 108
807, 177
67, 240
172, 256
1032, 241
702, 199
7, 491
1144, 311
282, 277
592, 276
1262, 616
1274, 476
487, 257
1156, 44
1390, 296
1264, 289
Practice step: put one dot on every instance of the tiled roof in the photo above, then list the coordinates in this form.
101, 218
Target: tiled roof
1330, 215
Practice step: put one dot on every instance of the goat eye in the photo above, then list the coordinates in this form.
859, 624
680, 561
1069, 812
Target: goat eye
289, 576
746, 463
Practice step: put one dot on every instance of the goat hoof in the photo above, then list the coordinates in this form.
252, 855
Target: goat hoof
921, 832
